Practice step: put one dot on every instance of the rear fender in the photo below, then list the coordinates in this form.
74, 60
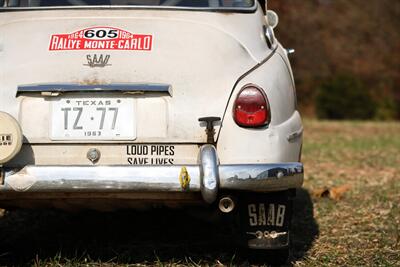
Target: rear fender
281, 140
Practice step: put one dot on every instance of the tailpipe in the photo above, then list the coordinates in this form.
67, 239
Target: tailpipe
226, 204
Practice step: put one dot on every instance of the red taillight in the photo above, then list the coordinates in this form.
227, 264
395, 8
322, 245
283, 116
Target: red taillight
251, 108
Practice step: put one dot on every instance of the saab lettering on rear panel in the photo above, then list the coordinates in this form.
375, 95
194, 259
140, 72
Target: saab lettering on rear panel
266, 214
101, 38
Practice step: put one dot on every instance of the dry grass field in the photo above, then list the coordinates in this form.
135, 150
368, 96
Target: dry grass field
361, 227
348, 214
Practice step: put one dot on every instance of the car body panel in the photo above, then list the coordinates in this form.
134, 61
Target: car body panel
177, 58
271, 143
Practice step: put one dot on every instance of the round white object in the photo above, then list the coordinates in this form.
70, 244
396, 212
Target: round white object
10, 137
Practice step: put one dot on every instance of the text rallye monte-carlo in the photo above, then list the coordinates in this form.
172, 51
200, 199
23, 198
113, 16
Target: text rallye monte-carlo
143, 102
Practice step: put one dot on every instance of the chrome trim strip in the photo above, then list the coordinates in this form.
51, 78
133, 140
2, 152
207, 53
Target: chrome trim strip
209, 173
117, 87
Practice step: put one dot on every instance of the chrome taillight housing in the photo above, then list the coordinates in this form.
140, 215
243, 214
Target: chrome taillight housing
251, 107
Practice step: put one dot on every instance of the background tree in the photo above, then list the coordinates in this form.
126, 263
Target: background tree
354, 37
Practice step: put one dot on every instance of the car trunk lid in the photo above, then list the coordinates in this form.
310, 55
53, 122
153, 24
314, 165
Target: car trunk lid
198, 62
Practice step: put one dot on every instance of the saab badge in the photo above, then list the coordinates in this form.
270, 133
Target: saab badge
97, 61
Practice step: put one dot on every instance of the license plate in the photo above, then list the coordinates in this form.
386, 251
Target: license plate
93, 119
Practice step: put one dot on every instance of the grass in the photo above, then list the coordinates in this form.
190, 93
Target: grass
362, 228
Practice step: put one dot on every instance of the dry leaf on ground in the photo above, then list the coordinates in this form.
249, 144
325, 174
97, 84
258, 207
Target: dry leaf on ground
335, 193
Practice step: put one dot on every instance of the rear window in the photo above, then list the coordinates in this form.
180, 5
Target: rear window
214, 4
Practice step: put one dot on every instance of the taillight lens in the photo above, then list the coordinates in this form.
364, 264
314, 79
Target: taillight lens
251, 108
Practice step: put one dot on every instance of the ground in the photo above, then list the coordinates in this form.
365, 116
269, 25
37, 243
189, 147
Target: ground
362, 228
348, 214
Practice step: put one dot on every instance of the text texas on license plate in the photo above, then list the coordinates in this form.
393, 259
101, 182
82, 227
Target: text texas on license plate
93, 119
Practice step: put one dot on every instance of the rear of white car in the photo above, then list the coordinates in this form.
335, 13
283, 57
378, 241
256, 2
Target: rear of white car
164, 103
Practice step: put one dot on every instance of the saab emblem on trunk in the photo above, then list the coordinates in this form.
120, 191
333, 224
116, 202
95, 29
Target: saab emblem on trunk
101, 38
97, 61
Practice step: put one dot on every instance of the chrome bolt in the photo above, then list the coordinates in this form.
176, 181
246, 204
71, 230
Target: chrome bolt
266, 234
274, 234
93, 155
259, 235
280, 174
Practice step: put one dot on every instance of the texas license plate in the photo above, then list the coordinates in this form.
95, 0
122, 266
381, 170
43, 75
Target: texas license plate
93, 119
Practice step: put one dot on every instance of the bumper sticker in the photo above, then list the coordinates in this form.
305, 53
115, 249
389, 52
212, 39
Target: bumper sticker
101, 38
150, 154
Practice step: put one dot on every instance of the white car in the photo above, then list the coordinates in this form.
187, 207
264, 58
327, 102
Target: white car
128, 103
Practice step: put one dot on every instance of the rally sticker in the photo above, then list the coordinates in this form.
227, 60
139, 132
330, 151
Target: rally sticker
101, 38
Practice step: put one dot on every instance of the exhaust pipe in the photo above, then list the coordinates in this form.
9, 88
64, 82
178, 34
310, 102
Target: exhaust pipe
226, 204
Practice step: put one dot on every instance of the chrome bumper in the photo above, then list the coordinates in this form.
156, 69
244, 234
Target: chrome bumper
206, 178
